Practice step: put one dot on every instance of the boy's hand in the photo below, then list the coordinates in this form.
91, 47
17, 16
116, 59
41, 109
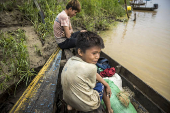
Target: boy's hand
83, 31
71, 31
107, 87
108, 91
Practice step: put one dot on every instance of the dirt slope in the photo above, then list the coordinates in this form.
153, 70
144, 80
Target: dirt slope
38, 54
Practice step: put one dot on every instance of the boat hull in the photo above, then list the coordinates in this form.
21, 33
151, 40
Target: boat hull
144, 8
39, 97
44, 94
151, 100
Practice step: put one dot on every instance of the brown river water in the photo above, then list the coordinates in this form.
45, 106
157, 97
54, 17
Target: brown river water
143, 46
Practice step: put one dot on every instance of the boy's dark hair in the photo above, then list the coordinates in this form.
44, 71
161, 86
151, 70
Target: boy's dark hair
87, 40
75, 5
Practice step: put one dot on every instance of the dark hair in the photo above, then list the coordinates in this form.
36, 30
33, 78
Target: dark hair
87, 40
75, 5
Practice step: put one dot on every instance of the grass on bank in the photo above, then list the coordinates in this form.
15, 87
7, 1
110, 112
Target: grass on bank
96, 15
14, 62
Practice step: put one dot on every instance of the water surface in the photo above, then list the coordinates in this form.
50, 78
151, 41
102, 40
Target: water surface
143, 46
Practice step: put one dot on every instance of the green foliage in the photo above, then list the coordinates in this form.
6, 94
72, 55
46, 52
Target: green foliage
50, 9
38, 51
15, 57
98, 14
7, 5
95, 14
122, 2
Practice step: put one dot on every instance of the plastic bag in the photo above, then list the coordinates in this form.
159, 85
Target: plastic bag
117, 80
116, 105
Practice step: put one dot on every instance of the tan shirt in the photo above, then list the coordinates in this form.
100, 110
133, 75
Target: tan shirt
78, 79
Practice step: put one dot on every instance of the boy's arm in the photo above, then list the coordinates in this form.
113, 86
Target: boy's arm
100, 79
67, 31
71, 29
65, 22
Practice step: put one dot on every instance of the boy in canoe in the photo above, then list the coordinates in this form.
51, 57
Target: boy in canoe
83, 87
62, 28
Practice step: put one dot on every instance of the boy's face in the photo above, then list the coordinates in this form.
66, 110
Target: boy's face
91, 55
72, 12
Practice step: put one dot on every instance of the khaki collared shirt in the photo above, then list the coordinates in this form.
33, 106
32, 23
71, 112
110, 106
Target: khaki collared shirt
78, 79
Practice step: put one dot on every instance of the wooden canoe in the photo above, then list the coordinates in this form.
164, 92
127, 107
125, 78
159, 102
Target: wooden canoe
144, 8
39, 97
44, 94
151, 100
138, 4
155, 6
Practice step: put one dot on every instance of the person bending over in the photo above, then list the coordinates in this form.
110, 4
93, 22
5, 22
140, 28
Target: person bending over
83, 88
62, 28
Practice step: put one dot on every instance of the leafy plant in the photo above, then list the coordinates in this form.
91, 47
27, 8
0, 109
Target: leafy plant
38, 51
8, 5
15, 57
95, 14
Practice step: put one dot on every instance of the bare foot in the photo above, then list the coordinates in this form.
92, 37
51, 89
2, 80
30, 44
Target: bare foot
69, 107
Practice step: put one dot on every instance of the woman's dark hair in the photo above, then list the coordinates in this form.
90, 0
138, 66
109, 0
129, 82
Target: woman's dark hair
75, 5
87, 40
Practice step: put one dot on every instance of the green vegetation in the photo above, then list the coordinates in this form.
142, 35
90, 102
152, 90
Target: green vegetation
8, 5
95, 15
98, 15
15, 59
38, 51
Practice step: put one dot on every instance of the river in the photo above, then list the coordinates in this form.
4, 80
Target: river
143, 46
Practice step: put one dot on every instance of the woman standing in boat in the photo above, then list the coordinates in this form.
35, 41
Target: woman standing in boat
63, 30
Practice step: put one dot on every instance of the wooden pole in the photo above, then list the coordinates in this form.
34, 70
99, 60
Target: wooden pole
126, 9
134, 17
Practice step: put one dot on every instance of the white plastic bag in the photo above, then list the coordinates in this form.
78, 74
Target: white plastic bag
117, 80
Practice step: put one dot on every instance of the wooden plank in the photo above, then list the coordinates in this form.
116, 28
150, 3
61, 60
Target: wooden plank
63, 62
40, 11
40, 94
68, 53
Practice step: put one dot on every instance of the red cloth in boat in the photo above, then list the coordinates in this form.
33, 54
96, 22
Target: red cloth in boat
108, 72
